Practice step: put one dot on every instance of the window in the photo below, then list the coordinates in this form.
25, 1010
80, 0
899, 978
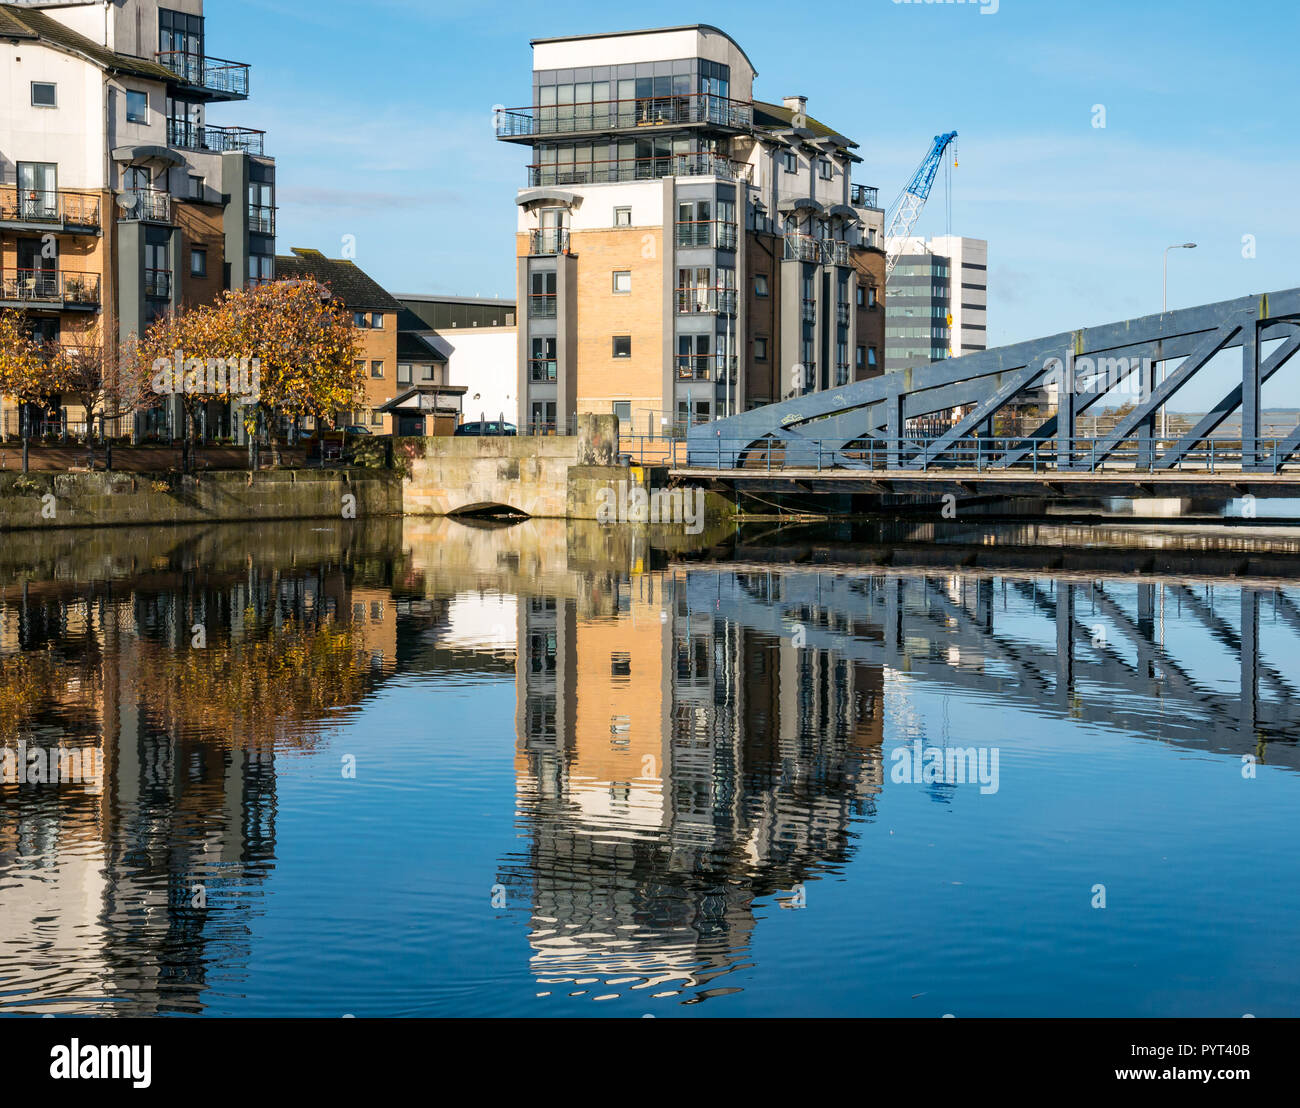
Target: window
760, 284
376, 369
622, 346
760, 349
622, 217
789, 161
45, 94
260, 268
360, 320
376, 418
137, 106
403, 373
825, 169
871, 357
377, 321
623, 410
198, 263
862, 357
196, 187
622, 281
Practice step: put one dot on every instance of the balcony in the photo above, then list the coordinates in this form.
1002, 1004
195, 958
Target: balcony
706, 233
261, 219
631, 169
158, 284
808, 310
52, 288
864, 196
701, 300
541, 305
683, 110
541, 370
706, 367
218, 78
40, 210
216, 140
144, 206
806, 248
551, 240
842, 314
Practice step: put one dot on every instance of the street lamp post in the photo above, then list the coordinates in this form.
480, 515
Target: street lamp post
1164, 307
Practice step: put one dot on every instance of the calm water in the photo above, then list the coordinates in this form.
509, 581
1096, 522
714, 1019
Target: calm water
553, 770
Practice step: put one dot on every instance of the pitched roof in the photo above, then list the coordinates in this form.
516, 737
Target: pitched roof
349, 283
416, 348
29, 23
777, 117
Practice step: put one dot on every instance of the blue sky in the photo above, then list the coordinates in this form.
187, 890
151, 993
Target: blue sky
380, 117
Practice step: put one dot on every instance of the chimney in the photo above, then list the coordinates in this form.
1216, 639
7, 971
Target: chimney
797, 104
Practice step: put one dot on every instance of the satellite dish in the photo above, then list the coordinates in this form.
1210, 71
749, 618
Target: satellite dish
127, 201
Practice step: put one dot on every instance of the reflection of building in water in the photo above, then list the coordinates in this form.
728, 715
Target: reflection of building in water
131, 891
673, 767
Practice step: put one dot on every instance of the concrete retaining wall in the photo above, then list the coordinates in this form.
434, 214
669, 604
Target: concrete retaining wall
42, 500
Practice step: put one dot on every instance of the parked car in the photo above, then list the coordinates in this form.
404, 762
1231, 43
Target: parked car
490, 427
356, 429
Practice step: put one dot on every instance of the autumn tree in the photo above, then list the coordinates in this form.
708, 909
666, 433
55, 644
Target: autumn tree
107, 378
306, 346
28, 373
284, 347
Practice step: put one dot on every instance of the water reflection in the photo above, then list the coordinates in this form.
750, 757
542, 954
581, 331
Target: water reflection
696, 741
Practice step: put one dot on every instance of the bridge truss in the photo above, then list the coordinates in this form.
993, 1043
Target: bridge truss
864, 425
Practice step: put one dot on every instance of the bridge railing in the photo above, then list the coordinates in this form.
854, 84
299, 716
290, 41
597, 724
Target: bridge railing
986, 454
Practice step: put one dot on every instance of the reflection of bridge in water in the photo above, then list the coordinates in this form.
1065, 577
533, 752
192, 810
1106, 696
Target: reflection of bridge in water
1097, 652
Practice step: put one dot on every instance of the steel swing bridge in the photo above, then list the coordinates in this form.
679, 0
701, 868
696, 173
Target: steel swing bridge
864, 426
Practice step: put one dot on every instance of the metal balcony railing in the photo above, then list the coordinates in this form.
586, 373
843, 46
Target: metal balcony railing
702, 300
864, 196
616, 115
63, 210
842, 314
213, 75
807, 248
541, 369
706, 233
158, 283
261, 219
808, 310
631, 169
50, 286
541, 305
706, 367
145, 206
551, 240
218, 140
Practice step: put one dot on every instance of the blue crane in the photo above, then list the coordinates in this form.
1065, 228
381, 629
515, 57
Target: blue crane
906, 209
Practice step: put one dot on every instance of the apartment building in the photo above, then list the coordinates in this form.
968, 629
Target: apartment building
684, 250
938, 301
119, 198
398, 363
